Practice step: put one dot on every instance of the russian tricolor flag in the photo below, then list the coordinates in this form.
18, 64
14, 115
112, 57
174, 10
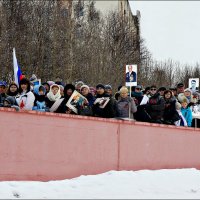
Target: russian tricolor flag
17, 71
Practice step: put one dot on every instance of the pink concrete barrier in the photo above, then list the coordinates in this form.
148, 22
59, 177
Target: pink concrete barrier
48, 146
155, 146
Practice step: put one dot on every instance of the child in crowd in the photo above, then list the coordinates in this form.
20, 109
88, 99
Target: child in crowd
40, 104
186, 112
10, 102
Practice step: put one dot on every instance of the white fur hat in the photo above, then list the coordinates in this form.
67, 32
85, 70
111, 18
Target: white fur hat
85, 86
188, 90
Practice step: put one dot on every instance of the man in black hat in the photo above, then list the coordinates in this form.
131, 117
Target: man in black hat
109, 110
161, 90
108, 90
180, 88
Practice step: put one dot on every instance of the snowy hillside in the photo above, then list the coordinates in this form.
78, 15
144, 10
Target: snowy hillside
179, 183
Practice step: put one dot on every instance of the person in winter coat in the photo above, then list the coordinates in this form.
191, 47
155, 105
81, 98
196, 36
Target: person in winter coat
93, 91
180, 88
125, 105
170, 113
13, 90
68, 91
186, 112
3, 94
137, 94
53, 98
47, 87
156, 105
108, 90
10, 102
78, 85
40, 103
188, 95
25, 99
161, 90
105, 112
182, 121
85, 91
86, 108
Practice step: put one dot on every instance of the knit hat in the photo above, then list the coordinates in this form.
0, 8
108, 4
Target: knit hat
61, 87
50, 83
3, 83
179, 85
138, 87
79, 83
85, 86
162, 89
100, 86
108, 87
59, 83
10, 100
188, 90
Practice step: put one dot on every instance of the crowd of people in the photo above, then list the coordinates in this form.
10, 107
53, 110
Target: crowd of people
172, 106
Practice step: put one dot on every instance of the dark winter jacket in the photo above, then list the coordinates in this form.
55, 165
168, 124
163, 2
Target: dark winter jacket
90, 99
86, 109
108, 112
155, 107
137, 96
3, 96
170, 113
63, 108
1, 104
11, 103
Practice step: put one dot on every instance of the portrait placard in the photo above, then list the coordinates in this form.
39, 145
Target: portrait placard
194, 84
75, 100
131, 75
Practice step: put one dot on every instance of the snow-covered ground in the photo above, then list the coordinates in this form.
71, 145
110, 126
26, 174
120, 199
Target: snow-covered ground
167, 184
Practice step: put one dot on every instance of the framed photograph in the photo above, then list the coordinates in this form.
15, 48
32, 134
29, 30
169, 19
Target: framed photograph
131, 75
75, 100
102, 101
194, 84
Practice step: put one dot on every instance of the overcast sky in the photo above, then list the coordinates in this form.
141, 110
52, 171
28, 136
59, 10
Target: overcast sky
171, 29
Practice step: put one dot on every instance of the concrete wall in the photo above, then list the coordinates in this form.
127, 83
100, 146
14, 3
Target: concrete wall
47, 146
